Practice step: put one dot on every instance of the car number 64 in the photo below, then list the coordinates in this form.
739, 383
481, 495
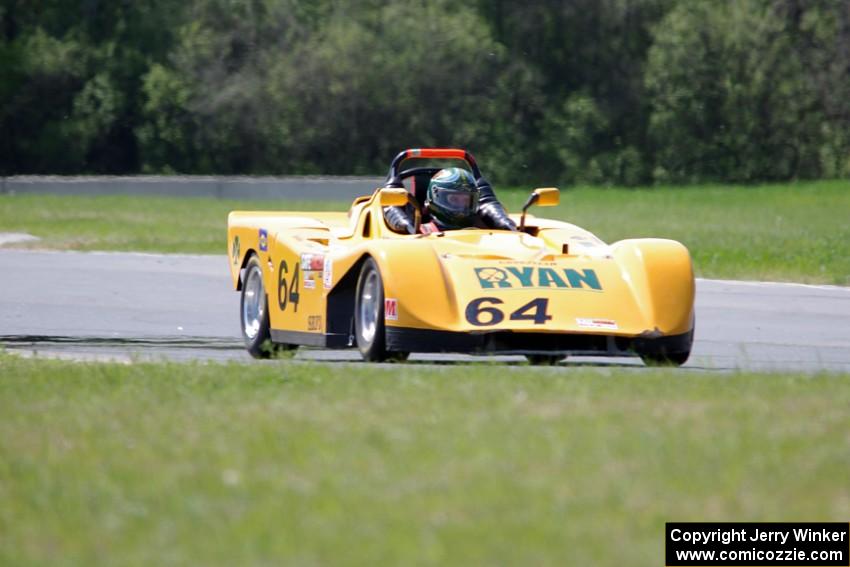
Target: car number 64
481, 313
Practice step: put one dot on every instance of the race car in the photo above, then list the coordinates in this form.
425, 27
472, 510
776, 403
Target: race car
546, 291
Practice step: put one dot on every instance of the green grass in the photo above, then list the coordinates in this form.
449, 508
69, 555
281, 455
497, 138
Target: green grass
791, 232
291, 463
125, 223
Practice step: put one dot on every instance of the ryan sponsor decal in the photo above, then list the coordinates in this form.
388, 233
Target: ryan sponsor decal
537, 277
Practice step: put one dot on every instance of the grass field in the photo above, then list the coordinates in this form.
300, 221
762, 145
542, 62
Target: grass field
290, 463
792, 232
131, 223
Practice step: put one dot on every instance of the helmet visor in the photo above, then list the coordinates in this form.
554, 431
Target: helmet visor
457, 205
459, 200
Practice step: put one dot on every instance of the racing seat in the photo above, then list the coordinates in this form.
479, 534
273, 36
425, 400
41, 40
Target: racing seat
419, 187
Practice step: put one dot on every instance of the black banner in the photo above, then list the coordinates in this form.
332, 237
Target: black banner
693, 544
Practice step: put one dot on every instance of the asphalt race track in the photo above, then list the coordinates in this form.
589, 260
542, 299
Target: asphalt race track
180, 307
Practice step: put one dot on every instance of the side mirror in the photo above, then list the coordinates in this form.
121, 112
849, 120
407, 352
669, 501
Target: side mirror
389, 197
544, 197
547, 197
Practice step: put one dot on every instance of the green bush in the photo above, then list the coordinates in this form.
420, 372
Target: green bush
544, 91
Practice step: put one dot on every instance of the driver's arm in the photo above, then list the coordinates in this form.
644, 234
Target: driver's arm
490, 209
400, 219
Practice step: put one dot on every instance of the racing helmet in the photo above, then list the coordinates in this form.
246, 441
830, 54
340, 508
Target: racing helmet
452, 197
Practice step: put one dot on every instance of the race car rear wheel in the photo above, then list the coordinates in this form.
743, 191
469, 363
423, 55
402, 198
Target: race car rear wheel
369, 327
545, 359
255, 314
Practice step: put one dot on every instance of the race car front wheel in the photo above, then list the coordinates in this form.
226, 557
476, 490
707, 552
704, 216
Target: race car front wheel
255, 314
369, 327
666, 354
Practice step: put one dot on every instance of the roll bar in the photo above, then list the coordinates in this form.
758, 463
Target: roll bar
393, 179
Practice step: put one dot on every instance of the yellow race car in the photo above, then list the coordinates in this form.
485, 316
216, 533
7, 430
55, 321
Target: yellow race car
546, 291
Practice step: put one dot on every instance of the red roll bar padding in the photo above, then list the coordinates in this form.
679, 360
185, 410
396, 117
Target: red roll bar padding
430, 153
437, 153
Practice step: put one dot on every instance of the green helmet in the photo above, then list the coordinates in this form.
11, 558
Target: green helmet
453, 197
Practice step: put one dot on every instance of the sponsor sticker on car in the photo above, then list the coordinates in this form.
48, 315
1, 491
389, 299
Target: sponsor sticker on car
391, 309
608, 324
328, 275
312, 262
536, 277
235, 250
264, 240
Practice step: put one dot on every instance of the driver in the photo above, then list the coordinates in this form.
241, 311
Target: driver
454, 200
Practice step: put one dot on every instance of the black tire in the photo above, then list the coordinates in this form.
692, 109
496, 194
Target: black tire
257, 333
545, 359
369, 329
670, 357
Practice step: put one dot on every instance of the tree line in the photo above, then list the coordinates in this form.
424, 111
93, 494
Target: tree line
570, 91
